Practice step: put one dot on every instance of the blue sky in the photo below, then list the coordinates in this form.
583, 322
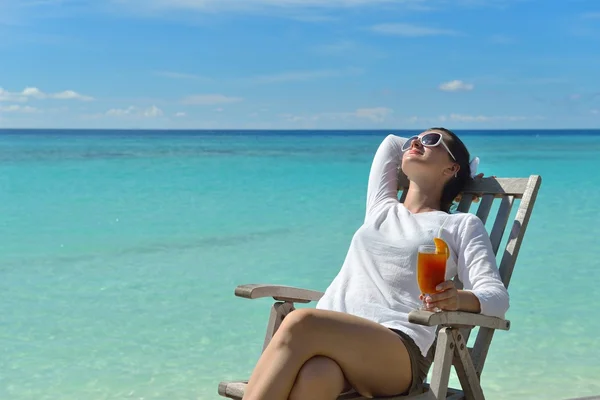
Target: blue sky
300, 64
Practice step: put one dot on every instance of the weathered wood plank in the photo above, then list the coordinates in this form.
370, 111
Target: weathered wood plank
403, 196
233, 390
517, 232
278, 313
465, 370
498, 187
494, 186
500, 222
484, 207
456, 318
442, 363
278, 292
465, 203
481, 348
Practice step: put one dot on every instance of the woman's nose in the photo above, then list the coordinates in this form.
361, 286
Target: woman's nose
416, 143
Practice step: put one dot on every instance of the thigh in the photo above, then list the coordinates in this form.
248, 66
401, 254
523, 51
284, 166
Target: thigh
374, 359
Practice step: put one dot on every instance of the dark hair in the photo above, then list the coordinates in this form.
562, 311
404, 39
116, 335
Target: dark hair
456, 184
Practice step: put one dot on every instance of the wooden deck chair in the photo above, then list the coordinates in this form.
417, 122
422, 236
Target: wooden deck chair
453, 328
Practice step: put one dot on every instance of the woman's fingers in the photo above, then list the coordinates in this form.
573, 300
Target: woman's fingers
445, 299
445, 286
441, 296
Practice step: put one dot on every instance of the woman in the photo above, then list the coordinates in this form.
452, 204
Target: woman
359, 336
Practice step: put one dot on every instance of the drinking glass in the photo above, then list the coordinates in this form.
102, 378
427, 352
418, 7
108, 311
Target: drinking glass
431, 270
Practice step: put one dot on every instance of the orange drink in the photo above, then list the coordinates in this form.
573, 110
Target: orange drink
431, 267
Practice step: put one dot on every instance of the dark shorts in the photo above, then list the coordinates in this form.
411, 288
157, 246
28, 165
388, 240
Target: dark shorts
420, 365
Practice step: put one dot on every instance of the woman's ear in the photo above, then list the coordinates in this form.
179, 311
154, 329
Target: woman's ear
454, 169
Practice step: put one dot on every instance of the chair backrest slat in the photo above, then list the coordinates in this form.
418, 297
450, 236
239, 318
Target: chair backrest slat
403, 196
501, 221
485, 206
465, 203
515, 239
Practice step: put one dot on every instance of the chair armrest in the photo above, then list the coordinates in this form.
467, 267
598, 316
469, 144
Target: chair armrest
281, 293
454, 318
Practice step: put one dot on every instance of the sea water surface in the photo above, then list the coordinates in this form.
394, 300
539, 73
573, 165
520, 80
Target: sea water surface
120, 252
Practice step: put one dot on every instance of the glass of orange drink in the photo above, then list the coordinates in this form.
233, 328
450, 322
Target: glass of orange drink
431, 267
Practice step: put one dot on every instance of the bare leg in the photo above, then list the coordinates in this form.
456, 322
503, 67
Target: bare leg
372, 358
320, 378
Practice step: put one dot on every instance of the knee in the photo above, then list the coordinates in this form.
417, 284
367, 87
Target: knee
318, 376
297, 325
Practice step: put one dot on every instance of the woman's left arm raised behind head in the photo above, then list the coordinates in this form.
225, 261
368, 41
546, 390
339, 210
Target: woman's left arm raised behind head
383, 176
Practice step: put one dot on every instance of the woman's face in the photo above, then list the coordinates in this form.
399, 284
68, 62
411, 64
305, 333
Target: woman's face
433, 162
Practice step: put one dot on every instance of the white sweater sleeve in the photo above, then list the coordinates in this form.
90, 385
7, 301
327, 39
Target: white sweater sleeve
383, 177
478, 270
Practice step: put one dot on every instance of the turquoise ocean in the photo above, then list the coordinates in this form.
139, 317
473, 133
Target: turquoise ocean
120, 252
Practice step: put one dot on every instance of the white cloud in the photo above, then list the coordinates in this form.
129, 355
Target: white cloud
245, 5
70, 95
375, 114
591, 15
299, 76
409, 30
35, 93
455, 86
595, 112
16, 108
120, 112
466, 118
210, 99
136, 112
180, 114
153, 112
487, 118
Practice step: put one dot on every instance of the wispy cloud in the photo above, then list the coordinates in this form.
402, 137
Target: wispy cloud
210, 99
132, 111
181, 75
377, 114
34, 93
374, 114
296, 76
16, 108
591, 15
488, 118
409, 30
245, 5
456, 86
468, 118
180, 114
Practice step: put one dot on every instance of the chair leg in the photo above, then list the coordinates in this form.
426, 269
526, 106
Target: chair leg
442, 364
278, 313
465, 369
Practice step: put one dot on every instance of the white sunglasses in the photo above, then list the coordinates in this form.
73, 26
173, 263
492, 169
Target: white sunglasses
431, 139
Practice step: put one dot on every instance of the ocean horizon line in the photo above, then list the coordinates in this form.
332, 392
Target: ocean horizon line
311, 132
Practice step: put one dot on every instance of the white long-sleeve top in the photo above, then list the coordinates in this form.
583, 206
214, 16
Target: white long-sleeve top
378, 279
